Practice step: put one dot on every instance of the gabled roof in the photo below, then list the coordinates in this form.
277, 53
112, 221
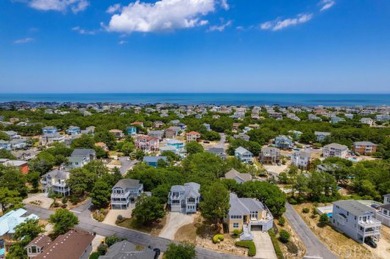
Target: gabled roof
242, 150
10, 220
233, 174
154, 159
40, 241
83, 152
73, 244
127, 250
127, 183
58, 174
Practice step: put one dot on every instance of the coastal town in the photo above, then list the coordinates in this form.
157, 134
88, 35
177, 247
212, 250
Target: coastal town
111, 180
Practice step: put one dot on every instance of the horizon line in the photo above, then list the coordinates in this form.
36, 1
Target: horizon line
332, 93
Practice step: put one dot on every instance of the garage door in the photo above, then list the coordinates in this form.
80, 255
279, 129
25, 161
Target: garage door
257, 228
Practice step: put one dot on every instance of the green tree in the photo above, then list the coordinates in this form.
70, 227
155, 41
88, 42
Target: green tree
180, 251
324, 219
28, 230
215, 204
107, 138
127, 148
194, 147
85, 141
6, 154
80, 181
63, 221
9, 199
33, 178
147, 210
101, 194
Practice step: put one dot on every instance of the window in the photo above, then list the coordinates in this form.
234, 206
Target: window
235, 225
235, 216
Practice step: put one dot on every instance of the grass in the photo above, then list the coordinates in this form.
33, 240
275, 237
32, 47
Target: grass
186, 233
153, 229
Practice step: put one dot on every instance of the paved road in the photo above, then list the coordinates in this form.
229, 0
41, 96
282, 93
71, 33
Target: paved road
136, 237
314, 247
221, 142
126, 164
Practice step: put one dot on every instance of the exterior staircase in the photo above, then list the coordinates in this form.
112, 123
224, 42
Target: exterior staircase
246, 233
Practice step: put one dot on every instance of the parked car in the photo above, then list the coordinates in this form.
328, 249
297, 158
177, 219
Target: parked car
369, 241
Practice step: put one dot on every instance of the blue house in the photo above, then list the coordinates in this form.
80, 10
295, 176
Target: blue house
49, 130
153, 160
5, 145
132, 130
283, 142
73, 130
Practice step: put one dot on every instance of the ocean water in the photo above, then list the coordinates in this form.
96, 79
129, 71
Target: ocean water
208, 98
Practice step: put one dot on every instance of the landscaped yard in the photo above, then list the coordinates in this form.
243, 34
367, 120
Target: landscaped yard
153, 229
337, 242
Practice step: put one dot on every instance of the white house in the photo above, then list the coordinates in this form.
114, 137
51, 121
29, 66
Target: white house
301, 158
184, 198
124, 192
356, 220
243, 155
55, 181
335, 150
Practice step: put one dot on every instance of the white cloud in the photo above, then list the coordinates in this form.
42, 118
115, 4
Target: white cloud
225, 4
326, 4
122, 42
221, 27
24, 41
113, 8
59, 5
84, 31
278, 24
163, 15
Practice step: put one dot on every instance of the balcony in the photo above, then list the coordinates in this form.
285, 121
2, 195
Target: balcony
120, 195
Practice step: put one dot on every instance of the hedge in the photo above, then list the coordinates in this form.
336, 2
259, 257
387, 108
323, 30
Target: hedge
247, 244
278, 251
94, 255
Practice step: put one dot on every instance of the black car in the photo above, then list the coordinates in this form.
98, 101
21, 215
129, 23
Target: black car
369, 241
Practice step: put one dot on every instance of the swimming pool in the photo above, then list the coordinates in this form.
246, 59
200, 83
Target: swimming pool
330, 214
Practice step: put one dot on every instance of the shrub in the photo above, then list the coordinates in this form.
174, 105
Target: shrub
284, 236
102, 249
94, 255
236, 232
64, 200
248, 244
292, 201
282, 221
305, 210
119, 219
275, 242
218, 238
56, 204
292, 248
324, 219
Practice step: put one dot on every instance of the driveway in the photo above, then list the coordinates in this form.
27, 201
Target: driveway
112, 215
39, 199
264, 247
314, 247
126, 164
175, 220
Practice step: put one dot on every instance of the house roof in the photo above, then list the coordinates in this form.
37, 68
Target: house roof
193, 133
336, 146
58, 174
126, 250
40, 241
83, 152
73, 244
364, 143
243, 206
13, 218
354, 207
127, 183
386, 195
242, 150
233, 174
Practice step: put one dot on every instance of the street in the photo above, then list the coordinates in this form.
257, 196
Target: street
314, 247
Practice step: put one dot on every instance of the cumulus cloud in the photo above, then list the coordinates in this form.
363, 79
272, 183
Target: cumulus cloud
279, 24
326, 4
163, 15
24, 41
59, 5
221, 27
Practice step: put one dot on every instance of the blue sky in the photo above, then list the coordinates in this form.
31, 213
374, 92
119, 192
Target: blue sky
195, 46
